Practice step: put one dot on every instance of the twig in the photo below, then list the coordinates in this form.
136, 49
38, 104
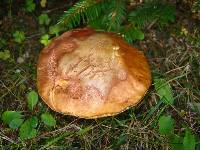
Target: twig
54, 9
6, 138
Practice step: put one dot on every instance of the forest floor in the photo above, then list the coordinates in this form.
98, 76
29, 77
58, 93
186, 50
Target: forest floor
173, 53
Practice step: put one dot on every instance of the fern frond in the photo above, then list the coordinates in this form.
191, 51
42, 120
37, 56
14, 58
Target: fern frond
112, 16
116, 15
98, 23
158, 11
82, 10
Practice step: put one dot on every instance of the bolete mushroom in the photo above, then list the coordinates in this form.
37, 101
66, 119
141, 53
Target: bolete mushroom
91, 74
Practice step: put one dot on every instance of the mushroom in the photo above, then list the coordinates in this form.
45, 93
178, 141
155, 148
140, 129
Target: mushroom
91, 74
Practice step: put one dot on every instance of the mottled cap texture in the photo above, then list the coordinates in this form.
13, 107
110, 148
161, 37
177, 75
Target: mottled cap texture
91, 74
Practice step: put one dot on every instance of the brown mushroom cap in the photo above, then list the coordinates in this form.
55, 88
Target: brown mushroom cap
91, 74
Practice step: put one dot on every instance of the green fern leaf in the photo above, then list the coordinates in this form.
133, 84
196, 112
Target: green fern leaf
98, 23
83, 10
116, 15
150, 12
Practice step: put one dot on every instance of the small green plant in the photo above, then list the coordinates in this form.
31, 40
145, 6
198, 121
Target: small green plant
54, 30
121, 140
13, 118
164, 91
44, 19
30, 5
19, 36
166, 125
27, 128
166, 122
131, 34
5, 55
32, 99
45, 39
189, 140
3, 43
176, 142
43, 3
48, 119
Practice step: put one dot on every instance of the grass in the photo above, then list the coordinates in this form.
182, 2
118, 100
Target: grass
173, 55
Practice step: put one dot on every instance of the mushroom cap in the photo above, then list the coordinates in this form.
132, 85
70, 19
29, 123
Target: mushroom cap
91, 74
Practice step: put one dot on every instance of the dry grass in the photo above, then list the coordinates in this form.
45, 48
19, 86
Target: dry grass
171, 54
